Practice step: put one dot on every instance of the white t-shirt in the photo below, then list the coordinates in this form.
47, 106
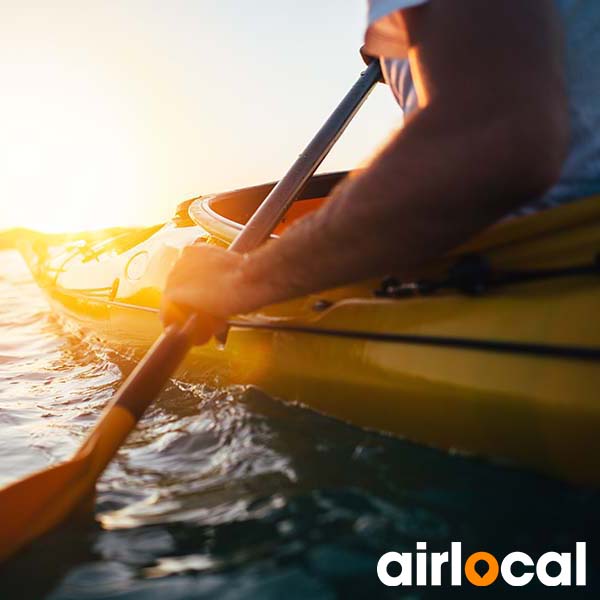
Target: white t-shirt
385, 37
385, 34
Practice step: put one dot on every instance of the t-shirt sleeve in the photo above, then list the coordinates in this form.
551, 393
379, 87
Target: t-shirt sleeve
385, 34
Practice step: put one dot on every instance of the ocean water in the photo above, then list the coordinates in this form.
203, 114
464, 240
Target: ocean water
227, 493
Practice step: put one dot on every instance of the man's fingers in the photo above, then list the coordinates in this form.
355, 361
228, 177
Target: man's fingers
205, 278
172, 312
207, 325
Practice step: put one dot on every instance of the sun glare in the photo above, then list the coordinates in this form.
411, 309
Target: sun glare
71, 162
112, 115
80, 114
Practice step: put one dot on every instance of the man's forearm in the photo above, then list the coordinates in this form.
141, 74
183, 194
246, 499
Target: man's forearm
439, 181
490, 135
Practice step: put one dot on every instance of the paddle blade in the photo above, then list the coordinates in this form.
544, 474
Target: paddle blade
33, 506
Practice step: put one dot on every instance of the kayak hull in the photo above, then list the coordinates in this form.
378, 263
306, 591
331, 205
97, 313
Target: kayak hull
512, 374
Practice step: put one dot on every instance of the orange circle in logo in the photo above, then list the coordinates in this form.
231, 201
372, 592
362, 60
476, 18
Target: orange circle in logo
489, 576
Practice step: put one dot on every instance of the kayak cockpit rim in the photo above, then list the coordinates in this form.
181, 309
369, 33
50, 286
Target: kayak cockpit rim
228, 212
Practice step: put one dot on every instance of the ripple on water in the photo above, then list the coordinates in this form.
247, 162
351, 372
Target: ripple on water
226, 493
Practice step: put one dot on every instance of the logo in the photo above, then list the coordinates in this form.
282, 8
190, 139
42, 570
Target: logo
481, 569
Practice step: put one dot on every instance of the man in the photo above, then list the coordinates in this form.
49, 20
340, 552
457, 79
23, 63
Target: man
500, 115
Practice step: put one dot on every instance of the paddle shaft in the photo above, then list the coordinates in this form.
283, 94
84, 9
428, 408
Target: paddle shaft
154, 370
276, 204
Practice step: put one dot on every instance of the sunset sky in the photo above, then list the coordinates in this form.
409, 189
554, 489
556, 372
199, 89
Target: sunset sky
112, 112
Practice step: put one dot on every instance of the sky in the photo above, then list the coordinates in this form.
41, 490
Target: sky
112, 112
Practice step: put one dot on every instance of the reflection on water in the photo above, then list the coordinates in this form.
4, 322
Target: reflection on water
226, 493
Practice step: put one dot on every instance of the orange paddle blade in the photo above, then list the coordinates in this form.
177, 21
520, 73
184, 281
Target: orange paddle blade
34, 505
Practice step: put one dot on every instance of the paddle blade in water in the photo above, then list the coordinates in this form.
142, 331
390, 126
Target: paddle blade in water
35, 505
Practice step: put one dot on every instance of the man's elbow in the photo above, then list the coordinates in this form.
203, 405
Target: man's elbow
539, 143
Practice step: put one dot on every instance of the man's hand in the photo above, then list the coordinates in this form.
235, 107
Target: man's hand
205, 280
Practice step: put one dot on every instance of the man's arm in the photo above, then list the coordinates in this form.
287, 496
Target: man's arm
490, 134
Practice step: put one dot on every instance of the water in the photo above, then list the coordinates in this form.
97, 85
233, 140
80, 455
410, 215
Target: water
226, 493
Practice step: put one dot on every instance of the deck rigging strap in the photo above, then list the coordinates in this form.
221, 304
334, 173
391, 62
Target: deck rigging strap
473, 275
506, 347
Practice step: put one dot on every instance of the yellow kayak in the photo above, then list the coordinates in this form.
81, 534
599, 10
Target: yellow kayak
495, 351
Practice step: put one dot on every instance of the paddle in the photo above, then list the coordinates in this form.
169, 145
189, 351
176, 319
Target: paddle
38, 503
